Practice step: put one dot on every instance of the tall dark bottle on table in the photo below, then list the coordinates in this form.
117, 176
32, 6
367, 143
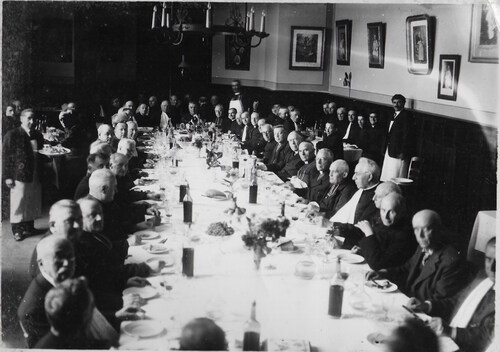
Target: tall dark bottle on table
251, 337
187, 204
253, 188
182, 190
336, 293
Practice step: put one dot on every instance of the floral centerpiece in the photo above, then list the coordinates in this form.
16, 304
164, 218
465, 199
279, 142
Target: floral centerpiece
198, 142
262, 231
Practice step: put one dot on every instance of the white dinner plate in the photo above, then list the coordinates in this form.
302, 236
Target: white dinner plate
145, 292
295, 249
351, 258
143, 328
155, 248
168, 260
147, 234
402, 180
390, 288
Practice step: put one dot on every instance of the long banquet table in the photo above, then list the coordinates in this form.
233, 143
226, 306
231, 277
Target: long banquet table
225, 281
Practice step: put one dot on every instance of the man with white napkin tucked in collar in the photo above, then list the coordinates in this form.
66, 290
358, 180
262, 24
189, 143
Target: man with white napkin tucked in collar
473, 323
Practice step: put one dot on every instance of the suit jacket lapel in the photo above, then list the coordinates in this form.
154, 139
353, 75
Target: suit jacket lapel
429, 268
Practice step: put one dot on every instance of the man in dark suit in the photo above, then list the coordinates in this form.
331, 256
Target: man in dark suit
390, 243
174, 110
270, 143
318, 185
342, 122
255, 140
273, 118
280, 152
435, 271
21, 175
192, 116
352, 129
332, 140
399, 141
340, 191
468, 317
285, 120
360, 206
56, 262
94, 162
373, 147
294, 161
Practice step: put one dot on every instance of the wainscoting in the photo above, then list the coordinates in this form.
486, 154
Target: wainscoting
458, 177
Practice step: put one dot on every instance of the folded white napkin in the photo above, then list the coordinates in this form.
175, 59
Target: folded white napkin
297, 182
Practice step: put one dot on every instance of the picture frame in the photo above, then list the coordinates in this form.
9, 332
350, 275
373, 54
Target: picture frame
237, 57
449, 69
376, 44
307, 48
343, 42
484, 35
420, 44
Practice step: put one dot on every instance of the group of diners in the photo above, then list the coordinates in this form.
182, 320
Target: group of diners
88, 235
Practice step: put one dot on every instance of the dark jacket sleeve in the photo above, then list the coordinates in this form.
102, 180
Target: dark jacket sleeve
8, 155
477, 338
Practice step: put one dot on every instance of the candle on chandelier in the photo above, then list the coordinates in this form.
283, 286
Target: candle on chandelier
247, 21
168, 20
263, 22
208, 22
163, 17
252, 16
153, 22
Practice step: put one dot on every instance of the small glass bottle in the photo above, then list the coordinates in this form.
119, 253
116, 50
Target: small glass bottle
251, 337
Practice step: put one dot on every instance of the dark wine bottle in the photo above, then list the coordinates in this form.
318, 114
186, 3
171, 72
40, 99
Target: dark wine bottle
336, 293
188, 206
251, 336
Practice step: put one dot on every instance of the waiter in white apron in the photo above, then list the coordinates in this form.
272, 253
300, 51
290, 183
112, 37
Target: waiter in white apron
237, 101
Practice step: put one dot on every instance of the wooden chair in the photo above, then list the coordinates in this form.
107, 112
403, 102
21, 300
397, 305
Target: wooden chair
414, 169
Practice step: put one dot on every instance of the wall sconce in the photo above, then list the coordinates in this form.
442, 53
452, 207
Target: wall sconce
183, 66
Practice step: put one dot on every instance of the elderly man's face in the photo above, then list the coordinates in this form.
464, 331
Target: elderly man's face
331, 108
218, 111
389, 213
373, 118
424, 231
105, 134
143, 109
174, 100
107, 190
361, 121
99, 163
398, 104
18, 107
380, 192
337, 174
92, 216
192, 109
245, 118
322, 162
275, 109
214, 100
490, 261
235, 86
119, 167
116, 103
9, 111
267, 133
59, 264
254, 119
131, 131
255, 105
238, 120
164, 106
67, 222
152, 101
306, 152
120, 130
129, 105
294, 141
361, 176
279, 135
351, 116
27, 120
325, 108
341, 114
329, 129
293, 116
232, 114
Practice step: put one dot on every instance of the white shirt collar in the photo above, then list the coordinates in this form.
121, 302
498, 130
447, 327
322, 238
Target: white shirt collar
47, 277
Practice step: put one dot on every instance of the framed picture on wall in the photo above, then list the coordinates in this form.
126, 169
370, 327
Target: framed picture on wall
307, 48
484, 35
376, 44
237, 57
420, 44
343, 42
449, 69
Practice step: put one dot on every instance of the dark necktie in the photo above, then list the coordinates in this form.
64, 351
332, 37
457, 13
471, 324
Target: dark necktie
332, 191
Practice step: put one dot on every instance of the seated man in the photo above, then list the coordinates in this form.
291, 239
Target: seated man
192, 116
120, 133
332, 140
128, 148
340, 191
94, 162
294, 161
101, 147
246, 132
132, 130
473, 309
280, 152
255, 141
69, 307
270, 142
220, 120
390, 243
318, 185
435, 271
104, 134
122, 116
300, 182
412, 336
143, 117
202, 334
55, 259
360, 206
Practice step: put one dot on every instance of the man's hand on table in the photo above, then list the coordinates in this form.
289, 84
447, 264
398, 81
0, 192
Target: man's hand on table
10, 183
130, 313
137, 281
376, 274
417, 305
154, 196
156, 266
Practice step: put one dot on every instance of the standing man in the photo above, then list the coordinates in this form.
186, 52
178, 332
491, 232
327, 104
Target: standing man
237, 100
399, 141
20, 172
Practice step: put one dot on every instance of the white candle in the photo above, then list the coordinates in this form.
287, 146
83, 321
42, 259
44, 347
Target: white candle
163, 11
247, 21
153, 22
208, 21
263, 22
168, 20
251, 26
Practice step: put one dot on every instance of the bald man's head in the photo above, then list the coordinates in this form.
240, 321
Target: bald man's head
118, 164
427, 228
339, 170
392, 209
56, 257
324, 159
306, 152
65, 219
294, 139
102, 185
